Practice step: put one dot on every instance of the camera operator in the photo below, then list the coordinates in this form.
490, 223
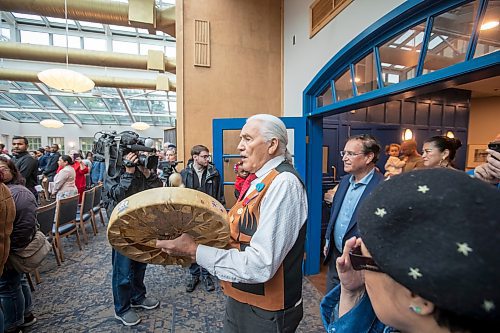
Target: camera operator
490, 171
168, 166
129, 291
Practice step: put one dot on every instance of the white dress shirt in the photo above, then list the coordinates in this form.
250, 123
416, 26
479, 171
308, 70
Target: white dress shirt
283, 212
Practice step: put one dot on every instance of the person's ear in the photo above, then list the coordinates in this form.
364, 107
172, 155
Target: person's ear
273, 146
420, 305
445, 154
369, 157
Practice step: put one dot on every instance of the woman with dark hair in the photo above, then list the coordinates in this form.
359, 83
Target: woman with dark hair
64, 181
440, 151
15, 294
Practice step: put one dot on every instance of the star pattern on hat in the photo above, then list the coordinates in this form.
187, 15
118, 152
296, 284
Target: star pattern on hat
464, 248
423, 188
415, 273
488, 305
380, 212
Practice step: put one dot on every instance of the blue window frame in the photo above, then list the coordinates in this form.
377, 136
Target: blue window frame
480, 61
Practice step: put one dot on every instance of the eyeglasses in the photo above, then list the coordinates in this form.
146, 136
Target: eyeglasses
349, 153
206, 157
360, 262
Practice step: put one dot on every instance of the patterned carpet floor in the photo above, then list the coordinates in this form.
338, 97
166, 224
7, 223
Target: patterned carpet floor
77, 297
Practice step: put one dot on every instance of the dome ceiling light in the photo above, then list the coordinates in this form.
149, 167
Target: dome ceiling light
51, 123
66, 80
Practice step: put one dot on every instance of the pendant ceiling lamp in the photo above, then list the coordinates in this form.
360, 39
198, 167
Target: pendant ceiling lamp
140, 126
65, 79
51, 123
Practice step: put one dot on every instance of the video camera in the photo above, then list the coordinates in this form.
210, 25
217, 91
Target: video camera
112, 147
168, 168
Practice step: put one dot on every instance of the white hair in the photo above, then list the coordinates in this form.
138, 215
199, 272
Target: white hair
273, 127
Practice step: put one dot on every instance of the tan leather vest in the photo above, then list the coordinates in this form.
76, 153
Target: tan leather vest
284, 289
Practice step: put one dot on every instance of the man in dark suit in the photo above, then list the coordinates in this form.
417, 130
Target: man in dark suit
51, 167
359, 156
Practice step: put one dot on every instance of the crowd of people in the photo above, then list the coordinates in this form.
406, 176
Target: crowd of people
405, 250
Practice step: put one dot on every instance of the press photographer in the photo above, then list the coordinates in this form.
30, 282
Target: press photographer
129, 160
490, 171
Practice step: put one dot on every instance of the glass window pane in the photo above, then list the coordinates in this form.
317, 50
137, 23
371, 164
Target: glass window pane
4, 102
34, 142
57, 140
86, 118
90, 24
325, 98
60, 40
138, 105
343, 86
32, 37
94, 44
15, 114
44, 100
115, 104
27, 86
121, 28
125, 47
21, 99
93, 103
365, 74
489, 33
450, 37
124, 120
86, 144
5, 34
72, 103
60, 21
27, 16
399, 56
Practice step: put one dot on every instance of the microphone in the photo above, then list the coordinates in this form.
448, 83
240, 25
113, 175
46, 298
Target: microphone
149, 143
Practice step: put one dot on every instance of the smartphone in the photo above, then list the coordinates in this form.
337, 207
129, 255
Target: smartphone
494, 146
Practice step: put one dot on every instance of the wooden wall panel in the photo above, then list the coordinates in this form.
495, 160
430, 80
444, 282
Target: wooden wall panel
244, 77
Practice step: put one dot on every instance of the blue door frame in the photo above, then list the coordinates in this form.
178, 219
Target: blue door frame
298, 124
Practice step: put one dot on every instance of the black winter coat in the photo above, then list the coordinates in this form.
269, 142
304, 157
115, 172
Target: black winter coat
125, 185
28, 167
211, 181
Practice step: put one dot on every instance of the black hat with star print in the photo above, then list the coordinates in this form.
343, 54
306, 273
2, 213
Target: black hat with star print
437, 232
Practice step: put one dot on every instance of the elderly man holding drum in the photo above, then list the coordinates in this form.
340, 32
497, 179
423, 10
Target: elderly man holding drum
261, 270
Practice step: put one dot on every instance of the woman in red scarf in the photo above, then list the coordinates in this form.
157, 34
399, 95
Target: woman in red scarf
240, 179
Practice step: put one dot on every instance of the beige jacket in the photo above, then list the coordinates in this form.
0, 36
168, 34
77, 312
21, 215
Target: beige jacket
64, 182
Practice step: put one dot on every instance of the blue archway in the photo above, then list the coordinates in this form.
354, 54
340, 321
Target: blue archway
412, 30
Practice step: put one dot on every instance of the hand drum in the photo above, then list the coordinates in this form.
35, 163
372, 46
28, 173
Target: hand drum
165, 213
